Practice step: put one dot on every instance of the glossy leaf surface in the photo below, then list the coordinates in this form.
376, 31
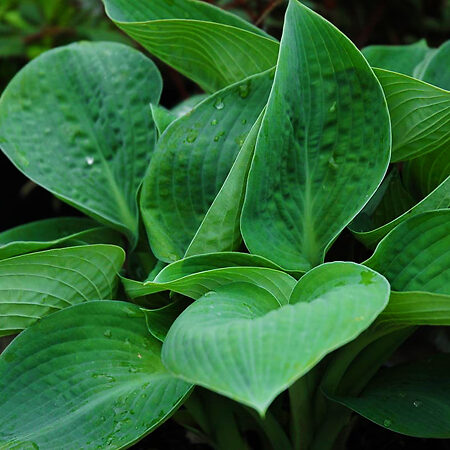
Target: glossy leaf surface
86, 377
35, 285
238, 341
76, 121
323, 146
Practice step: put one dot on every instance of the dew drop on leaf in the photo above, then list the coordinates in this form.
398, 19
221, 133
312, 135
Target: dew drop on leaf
387, 423
333, 107
107, 333
89, 160
417, 403
191, 137
214, 122
219, 104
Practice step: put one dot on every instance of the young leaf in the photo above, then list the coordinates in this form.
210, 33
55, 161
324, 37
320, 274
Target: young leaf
220, 229
76, 121
398, 58
35, 285
238, 340
415, 256
86, 377
398, 203
211, 46
411, 399
196, 275
58, 232
162, 117
420, 115
323, 146
192, 160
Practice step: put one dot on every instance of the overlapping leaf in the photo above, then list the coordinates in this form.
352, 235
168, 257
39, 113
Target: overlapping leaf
212, 47
191, 162
58, 232
391, 205
323, 146
238, 341
35, 285
86, 377
437, 70
196, 275
420, 115
412, 399
76, 121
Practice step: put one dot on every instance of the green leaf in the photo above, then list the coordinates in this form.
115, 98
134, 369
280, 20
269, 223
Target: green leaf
327, 119
415, 256
76, 121
162, 117
86, 377
188, 105
196, 275
437, 70
58, 232
374, 221
422, 175
238, 340
192, 160
211, 46
35, 285
161, 319
411, 399
420, 115
398, 58
220, 228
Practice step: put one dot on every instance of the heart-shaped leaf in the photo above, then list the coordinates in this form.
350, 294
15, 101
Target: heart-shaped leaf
391, 205
196, 275
420, 115
58, 232
76, 121
415, 256
239, 341
192, 160
323, 146
89, 376
35, 285
398, 58
412, 399
211, 46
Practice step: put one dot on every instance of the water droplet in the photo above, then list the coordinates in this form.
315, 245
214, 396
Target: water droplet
218, 136
47, 130
333, 107
387, 423
244, 90
244, 121
89, 160
367, 278
127, 341
139, 356
107, 333
219, 103
191, 137
417, 403
132, 370
214, 122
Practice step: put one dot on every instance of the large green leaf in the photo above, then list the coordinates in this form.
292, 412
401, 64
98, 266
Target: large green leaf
398, 58
422, 175
212, 47
437, 70
396, 205
58, 232
412, 399
323, 146
196, 275
192, 160
415, 256
239, 341
35, 285
76, 121
86, 377
420, 115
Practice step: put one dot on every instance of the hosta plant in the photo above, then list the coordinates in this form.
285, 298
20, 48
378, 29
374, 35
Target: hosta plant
202, 285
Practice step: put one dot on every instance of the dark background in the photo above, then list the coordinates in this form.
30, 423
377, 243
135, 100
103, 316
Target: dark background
29, 27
